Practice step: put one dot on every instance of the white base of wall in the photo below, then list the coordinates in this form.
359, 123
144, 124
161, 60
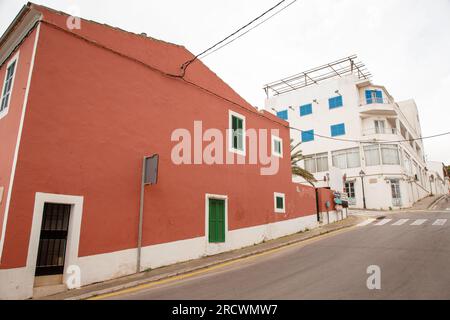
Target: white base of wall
18, 283
333, 216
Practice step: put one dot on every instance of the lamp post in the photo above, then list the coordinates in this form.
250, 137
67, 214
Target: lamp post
362, 174
431, 187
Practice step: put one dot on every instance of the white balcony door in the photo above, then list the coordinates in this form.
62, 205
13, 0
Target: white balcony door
379, 126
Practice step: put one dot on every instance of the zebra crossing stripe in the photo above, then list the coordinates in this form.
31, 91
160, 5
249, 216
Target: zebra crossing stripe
439, 222
383, 222
365, 223
400, 222
418, 222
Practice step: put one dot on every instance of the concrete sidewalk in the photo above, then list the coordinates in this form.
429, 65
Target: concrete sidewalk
193, 265
425, 204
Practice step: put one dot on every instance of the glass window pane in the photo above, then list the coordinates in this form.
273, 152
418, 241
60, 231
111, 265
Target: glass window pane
310, 165
389, 155
339, 160
353, 158
322, 162
277, 146
372, 155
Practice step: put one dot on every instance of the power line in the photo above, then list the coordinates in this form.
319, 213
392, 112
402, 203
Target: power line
370, 142
187, 63
241, 35
155, 69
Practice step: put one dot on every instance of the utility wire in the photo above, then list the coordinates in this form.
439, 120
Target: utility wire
371, 142
163, 73
187, 63
255, 26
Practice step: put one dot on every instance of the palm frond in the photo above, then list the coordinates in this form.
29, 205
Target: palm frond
296, 157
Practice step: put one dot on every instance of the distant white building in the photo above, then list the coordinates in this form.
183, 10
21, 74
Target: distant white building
349, 123
439, 180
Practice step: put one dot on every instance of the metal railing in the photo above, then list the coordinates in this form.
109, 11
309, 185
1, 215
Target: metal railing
372, 131
397, 202
374, 100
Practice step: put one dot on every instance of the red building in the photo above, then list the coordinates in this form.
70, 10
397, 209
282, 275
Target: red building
80, 109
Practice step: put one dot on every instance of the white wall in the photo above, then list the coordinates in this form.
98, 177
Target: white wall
18, 283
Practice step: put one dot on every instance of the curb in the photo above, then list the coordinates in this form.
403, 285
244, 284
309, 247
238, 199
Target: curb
207, 265
436, 201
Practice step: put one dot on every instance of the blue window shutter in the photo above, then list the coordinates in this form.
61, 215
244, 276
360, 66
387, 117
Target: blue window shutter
335, 102
282, 114
331, 103
369, 96
307, 135
379, 95
337, 130
305, 109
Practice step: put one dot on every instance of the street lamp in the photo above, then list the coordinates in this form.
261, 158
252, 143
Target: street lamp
362, 174
431, 187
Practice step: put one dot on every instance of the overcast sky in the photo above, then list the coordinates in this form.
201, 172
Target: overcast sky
404, 43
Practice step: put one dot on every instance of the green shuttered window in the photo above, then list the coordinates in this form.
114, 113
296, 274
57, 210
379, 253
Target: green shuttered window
216, 220
279, 202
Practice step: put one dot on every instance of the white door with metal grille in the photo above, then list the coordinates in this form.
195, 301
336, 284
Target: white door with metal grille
395, 190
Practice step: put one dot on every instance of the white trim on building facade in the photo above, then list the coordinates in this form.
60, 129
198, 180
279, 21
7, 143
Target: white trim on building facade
19, 136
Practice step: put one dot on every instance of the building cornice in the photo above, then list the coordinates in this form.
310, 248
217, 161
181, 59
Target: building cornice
21, 26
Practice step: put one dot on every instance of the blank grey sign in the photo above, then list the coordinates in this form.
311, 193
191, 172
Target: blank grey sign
151, 169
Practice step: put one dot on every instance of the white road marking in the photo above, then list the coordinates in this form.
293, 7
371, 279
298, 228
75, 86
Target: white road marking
439, 222
365, 223
418, 222
383, 222
448, 209
400, 222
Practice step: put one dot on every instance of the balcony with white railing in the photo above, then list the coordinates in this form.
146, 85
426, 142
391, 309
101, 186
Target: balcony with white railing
377, 106
389, 134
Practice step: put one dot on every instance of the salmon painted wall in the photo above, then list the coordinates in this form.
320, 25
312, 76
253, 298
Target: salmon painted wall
325, 195
9, 125
93, 115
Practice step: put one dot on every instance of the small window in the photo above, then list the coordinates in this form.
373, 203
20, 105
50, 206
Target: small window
335, 102
277, 146
8, 85
279, 202
282, 114
305, 110
307, 135
338, 130
237, 133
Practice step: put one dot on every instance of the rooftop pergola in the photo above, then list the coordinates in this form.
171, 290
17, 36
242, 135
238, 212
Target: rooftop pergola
339, 68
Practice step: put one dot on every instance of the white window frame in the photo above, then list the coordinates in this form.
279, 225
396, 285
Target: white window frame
73, 236
279, 195
230, 133
15, 59
274, 152
216, 247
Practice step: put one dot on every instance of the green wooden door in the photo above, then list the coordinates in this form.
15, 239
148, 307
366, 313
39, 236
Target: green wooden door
216, 220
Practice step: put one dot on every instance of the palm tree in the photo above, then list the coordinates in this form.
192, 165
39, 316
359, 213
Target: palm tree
296, 157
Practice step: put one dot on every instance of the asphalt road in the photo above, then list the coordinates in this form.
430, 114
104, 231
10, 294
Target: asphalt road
413, 256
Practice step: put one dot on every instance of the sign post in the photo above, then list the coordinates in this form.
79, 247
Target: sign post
149, 177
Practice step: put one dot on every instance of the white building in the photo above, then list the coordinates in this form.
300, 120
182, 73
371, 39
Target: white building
347, 122
439, 181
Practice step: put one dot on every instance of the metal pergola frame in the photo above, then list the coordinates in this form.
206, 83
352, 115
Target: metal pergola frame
339, 68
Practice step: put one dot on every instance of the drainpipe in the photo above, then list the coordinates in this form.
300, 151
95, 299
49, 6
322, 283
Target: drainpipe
141, 216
